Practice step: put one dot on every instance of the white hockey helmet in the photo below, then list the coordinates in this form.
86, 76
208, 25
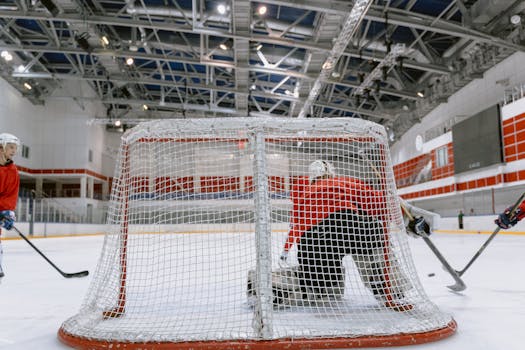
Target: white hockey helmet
6, 138
320, 168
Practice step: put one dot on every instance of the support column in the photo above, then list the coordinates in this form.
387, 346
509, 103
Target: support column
58, 189
83, 187
105, 189
39, 187
90, 187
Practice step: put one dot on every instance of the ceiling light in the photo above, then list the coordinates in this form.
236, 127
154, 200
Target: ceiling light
336, 74
223, 46
145, 107
130, 61
133, 48
516, 19
259, 47
221, 8
83, 43
420, 94
327, 65
118, 123
20, 69
28, 86
105, 40
262, 10
253, 87
6, 56
51, 7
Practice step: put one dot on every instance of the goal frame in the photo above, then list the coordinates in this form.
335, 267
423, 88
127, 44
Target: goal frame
263, 267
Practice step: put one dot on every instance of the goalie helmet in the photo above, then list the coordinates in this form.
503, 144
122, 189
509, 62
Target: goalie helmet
320, 168
6, 138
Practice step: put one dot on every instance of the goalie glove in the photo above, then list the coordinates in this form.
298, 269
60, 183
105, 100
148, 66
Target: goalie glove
505, 220
283, 259
7, 219
417, 227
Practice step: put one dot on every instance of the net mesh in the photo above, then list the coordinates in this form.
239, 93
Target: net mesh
200, 214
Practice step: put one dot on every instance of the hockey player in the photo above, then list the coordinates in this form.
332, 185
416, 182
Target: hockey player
337, 216
507, 219
9, 183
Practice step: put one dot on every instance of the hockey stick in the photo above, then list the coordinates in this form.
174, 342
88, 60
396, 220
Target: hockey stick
65, 274
459, 285
480, 250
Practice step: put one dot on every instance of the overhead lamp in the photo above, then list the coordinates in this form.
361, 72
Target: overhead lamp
117, 123
262, 10
253, 87
51, 7
145, 107
336, 74
130, 61
83, 43
105, 40
420, 94
515, 19
259, 47
223, 46
20, 69
221, 8
6, 56
327, 65
27, 86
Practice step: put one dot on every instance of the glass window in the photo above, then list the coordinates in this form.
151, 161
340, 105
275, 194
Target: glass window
441, 156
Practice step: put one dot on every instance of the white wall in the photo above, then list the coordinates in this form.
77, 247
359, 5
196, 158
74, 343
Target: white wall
57, 133
472, 98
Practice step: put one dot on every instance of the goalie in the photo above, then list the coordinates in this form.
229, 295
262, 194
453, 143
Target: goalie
337, 216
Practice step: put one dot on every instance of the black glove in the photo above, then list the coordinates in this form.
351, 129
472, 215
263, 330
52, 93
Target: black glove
505, 220
418, 226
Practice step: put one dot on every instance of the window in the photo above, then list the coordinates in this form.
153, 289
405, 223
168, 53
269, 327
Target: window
90, 156
441, 156
25, 151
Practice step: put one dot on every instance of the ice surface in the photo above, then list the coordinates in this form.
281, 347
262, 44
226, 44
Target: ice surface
35, 299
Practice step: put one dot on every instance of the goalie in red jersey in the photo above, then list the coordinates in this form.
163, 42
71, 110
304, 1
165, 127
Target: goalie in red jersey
337, 216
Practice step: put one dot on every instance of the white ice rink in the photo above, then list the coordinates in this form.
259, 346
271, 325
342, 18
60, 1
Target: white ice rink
35, 299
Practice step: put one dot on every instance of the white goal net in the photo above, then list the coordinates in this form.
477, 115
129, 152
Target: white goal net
258, 232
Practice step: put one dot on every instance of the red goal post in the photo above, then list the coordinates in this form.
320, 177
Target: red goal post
199, 205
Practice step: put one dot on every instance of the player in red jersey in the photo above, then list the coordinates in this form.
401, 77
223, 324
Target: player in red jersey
9, 184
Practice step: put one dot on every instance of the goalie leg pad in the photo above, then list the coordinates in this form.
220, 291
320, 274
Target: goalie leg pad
386, 281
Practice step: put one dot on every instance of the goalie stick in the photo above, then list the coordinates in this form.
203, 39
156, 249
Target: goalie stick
65, 274
456, 287
480, 250
459, 285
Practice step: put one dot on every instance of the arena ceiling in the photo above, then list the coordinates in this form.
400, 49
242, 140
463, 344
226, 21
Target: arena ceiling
389, 61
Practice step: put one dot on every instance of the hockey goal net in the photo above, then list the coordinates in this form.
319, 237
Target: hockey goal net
199, 217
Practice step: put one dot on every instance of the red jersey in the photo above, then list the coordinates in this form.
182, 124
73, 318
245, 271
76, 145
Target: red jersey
314, 203
9, 184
